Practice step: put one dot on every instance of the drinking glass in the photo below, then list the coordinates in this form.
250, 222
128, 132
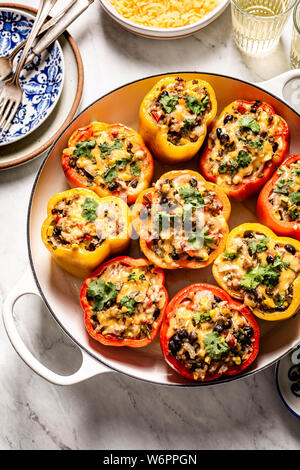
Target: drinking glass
295, 45
258, 24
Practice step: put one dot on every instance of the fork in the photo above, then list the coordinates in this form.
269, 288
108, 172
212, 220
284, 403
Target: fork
6, 63
11, 94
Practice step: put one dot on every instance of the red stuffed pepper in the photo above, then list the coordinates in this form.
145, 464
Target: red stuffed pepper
278, 205
246, 144
110, 159
206, 334
124, 302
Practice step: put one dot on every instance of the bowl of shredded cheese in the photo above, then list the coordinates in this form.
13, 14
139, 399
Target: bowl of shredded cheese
164, 19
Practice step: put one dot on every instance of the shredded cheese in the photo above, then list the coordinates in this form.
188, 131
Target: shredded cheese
164, 13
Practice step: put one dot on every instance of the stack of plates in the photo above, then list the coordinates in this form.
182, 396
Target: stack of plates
47, 106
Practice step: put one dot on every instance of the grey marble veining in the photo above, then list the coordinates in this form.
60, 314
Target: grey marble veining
113, 411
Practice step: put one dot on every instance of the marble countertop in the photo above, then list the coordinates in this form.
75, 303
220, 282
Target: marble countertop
113, 411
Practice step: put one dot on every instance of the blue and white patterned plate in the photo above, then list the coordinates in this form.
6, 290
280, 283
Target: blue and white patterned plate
41, 81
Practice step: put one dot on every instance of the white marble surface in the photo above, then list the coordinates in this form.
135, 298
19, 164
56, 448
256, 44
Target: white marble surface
114, 411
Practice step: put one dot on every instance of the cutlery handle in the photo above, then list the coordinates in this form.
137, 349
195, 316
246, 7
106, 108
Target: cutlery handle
44, 28
89, 367
44, 8
71, 15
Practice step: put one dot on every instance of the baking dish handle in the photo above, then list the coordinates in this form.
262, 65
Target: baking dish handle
89, 367
277, 84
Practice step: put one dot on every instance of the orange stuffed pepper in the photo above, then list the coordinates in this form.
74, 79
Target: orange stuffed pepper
174, 116
182, 220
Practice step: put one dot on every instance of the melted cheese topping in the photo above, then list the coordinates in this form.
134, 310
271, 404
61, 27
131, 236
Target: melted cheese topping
134, 319
164, 13
262, 272
72, 223
237, 152
203, 319
285, 196
180, 121
116, 161
178, 230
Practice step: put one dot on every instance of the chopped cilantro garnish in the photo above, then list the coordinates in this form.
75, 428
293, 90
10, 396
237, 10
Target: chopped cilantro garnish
135, 169
197, 240
195, 106
223, 168
279, 300
294, 214
279, 264
256, 143
131, 276
169, 103
142, 276
110, 174
295, 171
199, 317
282, 182
283, 191
214, 346
121, 164
279, 172
261, 274
89, 207
164, 220
83, 149
229, 255
250, 123
106, 149
257, 246
191, 196
295, 197
187, 124
102, 293
129, 303
243, 159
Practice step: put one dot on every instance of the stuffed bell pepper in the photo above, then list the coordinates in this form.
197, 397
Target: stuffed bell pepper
278, 205
245, 146
174, 116
124, 302
182, 220
81, 229
110, 159
262, 270
206, 334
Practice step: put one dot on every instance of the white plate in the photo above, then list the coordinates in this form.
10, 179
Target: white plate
61, 291
163, 33
41, 81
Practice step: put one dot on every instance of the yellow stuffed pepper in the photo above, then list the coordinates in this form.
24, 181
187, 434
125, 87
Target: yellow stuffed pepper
261, 269
82, 230
174, 116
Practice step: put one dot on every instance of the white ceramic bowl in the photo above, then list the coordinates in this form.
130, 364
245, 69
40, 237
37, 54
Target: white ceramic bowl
163, 33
